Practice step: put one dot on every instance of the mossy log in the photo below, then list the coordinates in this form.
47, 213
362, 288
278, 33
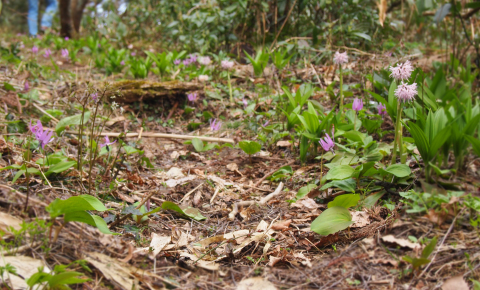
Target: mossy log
130, 91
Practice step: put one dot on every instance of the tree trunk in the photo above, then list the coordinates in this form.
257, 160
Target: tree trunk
77, 16
71, 12
66, 29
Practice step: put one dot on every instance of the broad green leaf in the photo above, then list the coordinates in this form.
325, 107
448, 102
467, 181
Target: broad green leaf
428, 250
420, 140
332, 220
345, 200
65, 278
399, 170
303, 191
340, 172
250, 147
438, 142
8, 87
38, 278
74, 203
347, 184
85, 217
72, 120
372, 199
130, 150
197, 144
184, 210
363, 35
475, 144
354, 136
60, 167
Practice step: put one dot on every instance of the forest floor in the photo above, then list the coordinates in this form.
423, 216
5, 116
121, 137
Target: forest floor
267, 244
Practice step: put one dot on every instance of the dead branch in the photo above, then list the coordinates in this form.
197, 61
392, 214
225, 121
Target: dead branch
163, 135
263, 201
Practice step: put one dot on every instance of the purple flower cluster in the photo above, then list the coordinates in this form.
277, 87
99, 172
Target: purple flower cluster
107, 143
382, 110
177, 62
43, 136
357, 105
35, 49
214, 125
327, 142
401, 72
192, 97
48, 53
406, 92
64, 53
26, 86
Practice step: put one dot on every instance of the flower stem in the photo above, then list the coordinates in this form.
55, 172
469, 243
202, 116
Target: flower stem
397, 134
230, 88
341, 90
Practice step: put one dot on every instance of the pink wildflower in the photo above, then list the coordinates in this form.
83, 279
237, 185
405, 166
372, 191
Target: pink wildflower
406, 92
401, 71
340, 58
357, 105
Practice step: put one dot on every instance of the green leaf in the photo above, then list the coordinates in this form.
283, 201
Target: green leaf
85, 217
332, 220
345, 200
38, 278
130, 150
428, 250
372, 199
74, 203
303, 191
65, 278
18, 126
184, 210
475, 144
340, 172
197, 144
72, 120
8, 87
250, 147
363, 35
60, 167
420, 140
347, 184
399, 170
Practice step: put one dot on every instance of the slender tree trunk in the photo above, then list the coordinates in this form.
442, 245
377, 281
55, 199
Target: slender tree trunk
77, 17
71, 13
66, 29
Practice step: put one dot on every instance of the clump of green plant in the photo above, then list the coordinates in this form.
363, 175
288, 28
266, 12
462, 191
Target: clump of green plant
59, 278
75, 209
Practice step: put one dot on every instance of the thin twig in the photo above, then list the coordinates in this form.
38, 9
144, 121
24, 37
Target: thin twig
163, 135
441, 244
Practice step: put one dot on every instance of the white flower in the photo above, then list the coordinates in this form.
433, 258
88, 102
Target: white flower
114, 106
227, 64
340, 58
205, 60
203, 78
401, 71
122, 110
406, 92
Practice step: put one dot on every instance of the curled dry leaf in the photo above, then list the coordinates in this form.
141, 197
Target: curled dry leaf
8, 221
175, 172
455, 283
283, 143
360, 218
282, 225
232, 166
112, 269
25, 267
404, 243
256, 283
